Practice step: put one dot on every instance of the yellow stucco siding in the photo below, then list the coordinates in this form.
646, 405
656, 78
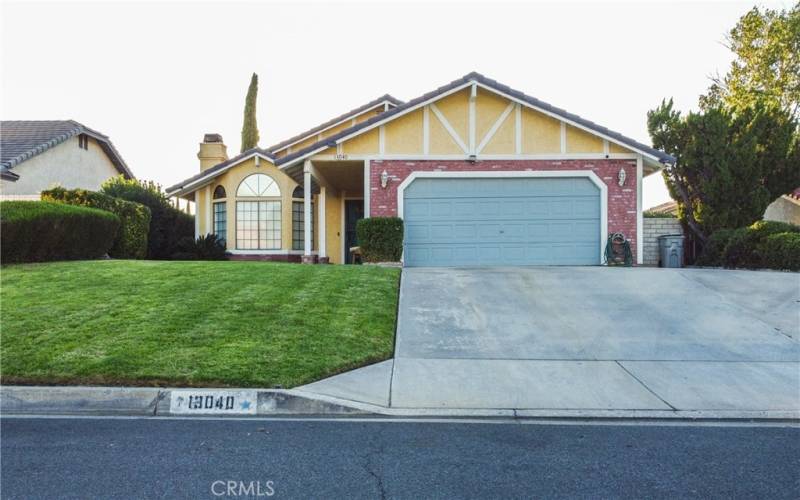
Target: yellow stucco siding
404, 135
230, 180
455, 109
366, 143
440, 142
617, 149
304, 143
504, 140
579, 141
368, 114
540, 133
488, 108
325, 152
335, 130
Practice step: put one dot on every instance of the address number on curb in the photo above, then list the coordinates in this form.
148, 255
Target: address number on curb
189, 402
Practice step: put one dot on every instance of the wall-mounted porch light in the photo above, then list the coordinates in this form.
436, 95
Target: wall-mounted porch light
621, 176
384, 179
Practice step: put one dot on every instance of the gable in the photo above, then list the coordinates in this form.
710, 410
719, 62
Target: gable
477, 116
444, 127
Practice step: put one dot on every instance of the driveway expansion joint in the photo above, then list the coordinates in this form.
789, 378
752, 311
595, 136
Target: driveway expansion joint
645, 386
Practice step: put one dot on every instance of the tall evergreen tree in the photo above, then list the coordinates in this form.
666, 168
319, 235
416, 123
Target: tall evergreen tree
250, 127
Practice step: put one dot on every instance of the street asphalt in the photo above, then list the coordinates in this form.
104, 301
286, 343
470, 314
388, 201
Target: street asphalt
182, 458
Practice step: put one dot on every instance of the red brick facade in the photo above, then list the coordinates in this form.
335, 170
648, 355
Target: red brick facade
621, 200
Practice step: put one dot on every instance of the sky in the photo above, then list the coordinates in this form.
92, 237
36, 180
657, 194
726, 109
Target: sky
156, 76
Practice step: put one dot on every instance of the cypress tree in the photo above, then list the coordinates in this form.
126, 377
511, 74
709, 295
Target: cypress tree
250, 127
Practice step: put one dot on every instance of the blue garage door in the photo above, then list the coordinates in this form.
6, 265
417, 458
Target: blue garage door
501, 221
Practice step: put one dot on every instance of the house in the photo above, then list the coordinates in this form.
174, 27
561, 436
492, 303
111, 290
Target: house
482, 174
37, 155
785, 209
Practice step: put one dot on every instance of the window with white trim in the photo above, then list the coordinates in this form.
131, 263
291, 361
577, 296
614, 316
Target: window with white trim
258, 214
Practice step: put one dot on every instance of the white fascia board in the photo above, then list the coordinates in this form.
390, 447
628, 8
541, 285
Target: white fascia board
382, 104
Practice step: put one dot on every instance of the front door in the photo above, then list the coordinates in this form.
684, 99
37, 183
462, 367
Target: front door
353, 212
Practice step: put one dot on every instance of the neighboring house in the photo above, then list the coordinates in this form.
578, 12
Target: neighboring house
38, 155
481, 174
785, 209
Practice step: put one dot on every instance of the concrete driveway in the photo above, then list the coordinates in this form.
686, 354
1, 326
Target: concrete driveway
589, 338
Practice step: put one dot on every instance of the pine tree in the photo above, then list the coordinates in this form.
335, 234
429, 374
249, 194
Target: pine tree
250, 127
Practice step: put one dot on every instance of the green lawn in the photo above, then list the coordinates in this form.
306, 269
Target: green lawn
246, 324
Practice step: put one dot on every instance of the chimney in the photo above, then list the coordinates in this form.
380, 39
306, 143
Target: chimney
212, 151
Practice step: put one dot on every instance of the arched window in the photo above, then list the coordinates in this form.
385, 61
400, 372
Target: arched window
258, 220
258, 185
219, 192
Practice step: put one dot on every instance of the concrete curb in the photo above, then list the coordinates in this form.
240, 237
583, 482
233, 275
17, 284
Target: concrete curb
143, 401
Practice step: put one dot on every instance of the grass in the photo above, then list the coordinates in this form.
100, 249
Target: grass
242, 324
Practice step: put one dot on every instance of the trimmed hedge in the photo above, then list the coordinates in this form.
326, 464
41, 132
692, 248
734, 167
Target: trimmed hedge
380, 239
131, 242
782, 251
168, 225
39, 231
748, 247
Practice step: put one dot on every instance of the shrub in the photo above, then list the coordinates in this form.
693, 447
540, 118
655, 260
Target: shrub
38, 231
715, 248
380, 239
131, 242
168, 225
745, 246
782, 251
207, 247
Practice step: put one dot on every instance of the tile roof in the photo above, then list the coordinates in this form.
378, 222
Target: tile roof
21, 140
334, 121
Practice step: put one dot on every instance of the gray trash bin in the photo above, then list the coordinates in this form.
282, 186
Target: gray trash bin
670, 249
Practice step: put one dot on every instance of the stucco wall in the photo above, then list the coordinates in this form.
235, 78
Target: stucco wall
783, 210
621, 200
231, 179
653, 228
66, 165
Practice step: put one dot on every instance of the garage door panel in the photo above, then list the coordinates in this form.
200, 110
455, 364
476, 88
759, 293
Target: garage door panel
588, 208
502, 221
416, 209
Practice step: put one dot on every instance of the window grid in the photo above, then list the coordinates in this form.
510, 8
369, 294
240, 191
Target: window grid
298, 226
258, 225
220, 220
